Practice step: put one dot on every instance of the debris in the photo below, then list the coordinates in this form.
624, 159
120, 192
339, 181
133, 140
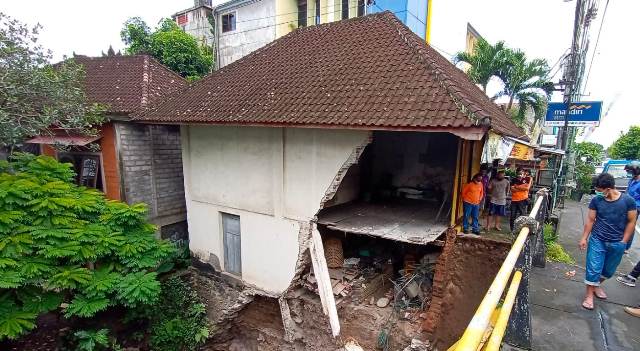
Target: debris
570, 274
352, 345
417, 345
338, 288
350, 262
372, 300
382, 302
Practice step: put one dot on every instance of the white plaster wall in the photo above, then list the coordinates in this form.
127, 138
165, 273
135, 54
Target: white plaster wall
312, 159
198, 25
255, 27
273, 178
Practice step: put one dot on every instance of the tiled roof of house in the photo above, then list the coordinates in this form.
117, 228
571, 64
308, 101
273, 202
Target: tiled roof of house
369, 72
127, 83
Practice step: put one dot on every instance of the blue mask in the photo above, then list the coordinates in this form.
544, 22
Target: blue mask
600, 193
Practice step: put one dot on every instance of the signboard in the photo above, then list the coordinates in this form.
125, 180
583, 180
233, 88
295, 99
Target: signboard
582, 114
521, 152
549, 139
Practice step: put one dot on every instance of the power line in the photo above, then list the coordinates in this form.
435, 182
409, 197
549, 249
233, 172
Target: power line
595, 47
563, 55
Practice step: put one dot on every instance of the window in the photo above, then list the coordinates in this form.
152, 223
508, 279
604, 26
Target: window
302, 13
345, 9
317, 11
360, 8
182, 19
231, 242
228, 22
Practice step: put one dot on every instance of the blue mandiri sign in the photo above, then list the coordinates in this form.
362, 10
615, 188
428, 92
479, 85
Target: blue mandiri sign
582, 114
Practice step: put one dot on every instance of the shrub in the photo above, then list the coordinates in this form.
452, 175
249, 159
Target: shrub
555, 251
178, 320
60, 242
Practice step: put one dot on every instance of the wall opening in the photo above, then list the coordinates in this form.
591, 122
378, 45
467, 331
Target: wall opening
400, 189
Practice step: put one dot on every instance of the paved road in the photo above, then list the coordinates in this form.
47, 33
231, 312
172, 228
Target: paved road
559, 321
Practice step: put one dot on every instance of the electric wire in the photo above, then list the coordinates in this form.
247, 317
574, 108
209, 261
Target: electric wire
595, 47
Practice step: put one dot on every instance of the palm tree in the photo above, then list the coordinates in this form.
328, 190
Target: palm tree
526, 82
485, 61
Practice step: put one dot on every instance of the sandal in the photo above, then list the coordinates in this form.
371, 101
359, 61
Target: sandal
601, 296
587, 306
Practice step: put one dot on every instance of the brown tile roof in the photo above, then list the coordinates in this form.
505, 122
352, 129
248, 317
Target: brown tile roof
369, 72
127, 83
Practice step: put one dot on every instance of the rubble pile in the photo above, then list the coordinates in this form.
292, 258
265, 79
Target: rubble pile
375, 282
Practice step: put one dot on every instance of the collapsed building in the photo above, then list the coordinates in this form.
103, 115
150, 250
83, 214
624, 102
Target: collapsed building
322, 179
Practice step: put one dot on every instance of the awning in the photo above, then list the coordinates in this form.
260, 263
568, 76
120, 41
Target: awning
66, 140
550, 150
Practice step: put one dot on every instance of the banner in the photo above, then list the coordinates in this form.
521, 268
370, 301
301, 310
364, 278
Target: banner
496, 147
521, 152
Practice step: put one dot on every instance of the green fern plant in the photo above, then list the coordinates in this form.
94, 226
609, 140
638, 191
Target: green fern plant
62, 243
92, 340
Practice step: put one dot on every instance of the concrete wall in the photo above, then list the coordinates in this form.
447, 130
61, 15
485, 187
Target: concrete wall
198, 25
273, 178
151, 166
255, 27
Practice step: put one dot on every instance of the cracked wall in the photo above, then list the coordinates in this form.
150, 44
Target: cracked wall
275, 179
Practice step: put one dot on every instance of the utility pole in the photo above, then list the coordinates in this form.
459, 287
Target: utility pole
570, 76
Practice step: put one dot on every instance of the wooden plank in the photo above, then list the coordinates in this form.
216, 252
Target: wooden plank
324, 281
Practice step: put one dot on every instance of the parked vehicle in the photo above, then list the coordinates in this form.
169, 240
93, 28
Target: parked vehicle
616, 169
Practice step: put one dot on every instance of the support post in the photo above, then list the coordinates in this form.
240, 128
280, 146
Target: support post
519, 328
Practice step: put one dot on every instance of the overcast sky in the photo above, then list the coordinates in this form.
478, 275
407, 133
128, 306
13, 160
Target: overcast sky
542, 28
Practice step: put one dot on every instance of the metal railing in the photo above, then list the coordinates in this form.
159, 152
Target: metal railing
485, 332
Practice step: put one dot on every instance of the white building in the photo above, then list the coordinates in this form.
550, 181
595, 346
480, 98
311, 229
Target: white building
195, 21
243, 26
274, 142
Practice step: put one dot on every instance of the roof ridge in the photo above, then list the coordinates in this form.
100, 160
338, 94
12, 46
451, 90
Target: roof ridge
145, 82
435, 68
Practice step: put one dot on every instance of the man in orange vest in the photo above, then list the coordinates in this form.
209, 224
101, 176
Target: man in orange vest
472, 194
519, 195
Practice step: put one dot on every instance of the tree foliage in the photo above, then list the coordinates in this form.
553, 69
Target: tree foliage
627, 146
484, 62
34, 95
592, 152
524, 81
168, 44
588, 155
61, 243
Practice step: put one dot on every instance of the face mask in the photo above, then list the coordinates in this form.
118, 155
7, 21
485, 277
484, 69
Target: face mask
600, 193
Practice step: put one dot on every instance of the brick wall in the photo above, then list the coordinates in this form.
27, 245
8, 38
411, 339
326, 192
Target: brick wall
464, 272
151, 162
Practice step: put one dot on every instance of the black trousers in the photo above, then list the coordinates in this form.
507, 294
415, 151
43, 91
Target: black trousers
518, 208
636, 271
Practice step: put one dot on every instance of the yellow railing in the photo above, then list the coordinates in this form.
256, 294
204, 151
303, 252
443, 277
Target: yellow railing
474, 338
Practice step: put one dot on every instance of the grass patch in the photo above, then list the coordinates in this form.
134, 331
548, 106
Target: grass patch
555, 251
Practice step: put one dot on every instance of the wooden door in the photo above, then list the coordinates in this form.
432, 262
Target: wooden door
231, 233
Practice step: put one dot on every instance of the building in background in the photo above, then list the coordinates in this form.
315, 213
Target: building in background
243, 26
128, 161
195, 21
413, 13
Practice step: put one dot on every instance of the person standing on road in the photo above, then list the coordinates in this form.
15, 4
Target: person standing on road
519, 196
498, 190
610, 223
472, 194
633, 189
